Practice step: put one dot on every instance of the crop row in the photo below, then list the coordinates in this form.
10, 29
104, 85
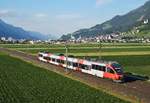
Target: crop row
73, 45
21, 82
84, 50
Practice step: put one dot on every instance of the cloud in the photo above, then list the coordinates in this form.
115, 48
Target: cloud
7, 13
68, 16
40, 15
101, 2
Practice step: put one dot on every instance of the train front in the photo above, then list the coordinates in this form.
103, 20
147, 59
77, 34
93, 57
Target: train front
119, 75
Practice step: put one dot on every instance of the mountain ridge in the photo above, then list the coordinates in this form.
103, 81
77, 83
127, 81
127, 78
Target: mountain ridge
8, 30
119, 23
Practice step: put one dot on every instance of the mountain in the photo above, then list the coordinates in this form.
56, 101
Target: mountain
117, 24
7, 30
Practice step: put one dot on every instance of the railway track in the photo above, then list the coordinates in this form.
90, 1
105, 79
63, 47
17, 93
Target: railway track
135, 89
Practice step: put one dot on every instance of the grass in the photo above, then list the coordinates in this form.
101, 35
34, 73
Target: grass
84, 50
21, 82
133, 56
73, 45
139, 64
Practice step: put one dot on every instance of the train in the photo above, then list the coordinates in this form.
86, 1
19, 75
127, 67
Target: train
103, 69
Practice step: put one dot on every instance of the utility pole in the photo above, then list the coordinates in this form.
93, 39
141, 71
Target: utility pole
66, 47
100, 49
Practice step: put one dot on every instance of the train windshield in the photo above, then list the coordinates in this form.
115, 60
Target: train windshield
117, 68
119, 71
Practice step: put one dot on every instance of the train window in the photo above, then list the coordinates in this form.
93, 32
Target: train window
83, 66
116, 66
44, 57
80, 65
97, 67
47, 58
53, 59
69, 63
62, 61
119, 71
40, 55
103, 68
110, 70
93, 66
86, 67
75, 64
58, 60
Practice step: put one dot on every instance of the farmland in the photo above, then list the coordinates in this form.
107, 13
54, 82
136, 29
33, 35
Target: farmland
135, 57
21, 82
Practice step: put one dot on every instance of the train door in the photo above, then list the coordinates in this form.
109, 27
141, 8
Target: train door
62, 61
96, 70
80, 62
85, 68
110, 73
40, 56
70, 64
54, 61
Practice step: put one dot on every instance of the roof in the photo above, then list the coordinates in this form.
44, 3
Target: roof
86, 61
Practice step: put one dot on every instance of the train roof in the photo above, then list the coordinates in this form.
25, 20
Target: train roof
104, 61
86, 61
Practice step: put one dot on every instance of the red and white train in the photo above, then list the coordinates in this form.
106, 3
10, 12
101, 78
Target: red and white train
110, 70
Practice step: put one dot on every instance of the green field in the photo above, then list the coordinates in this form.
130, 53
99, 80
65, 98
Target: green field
135, 57
84, 50
21, 82
74, 45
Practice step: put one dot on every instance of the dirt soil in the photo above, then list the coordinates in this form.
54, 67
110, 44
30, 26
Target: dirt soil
134, 90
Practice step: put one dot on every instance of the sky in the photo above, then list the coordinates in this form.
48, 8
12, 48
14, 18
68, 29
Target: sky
59, 17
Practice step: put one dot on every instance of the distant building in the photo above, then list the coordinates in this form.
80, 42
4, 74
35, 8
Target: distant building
21, 40
146, 21
31, 42
10, 39
3, 38
72, 37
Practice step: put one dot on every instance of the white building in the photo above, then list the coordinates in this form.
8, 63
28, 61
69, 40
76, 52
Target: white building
3, 38
10, 39
146, 21
31, 42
